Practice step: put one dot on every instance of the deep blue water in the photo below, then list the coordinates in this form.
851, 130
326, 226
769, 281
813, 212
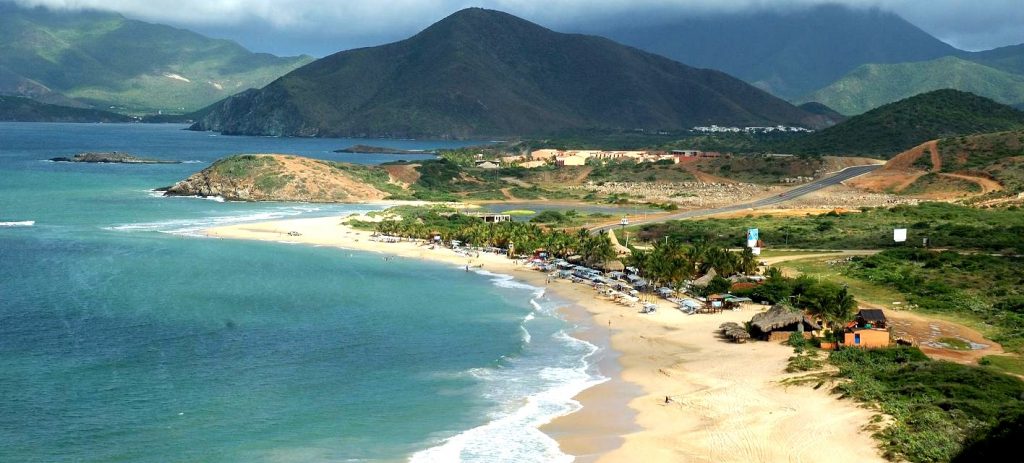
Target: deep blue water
125, 337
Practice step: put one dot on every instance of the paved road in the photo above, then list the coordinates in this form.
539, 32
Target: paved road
842, 175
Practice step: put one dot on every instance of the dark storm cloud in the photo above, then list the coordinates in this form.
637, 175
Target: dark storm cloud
324, 26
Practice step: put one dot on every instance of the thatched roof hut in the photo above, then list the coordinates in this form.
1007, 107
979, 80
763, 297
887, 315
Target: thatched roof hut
781, 318
703, 281
613, 266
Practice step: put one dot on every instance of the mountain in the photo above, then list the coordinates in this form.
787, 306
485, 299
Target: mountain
815, 107
105, 60
873, 85
481, 73
895, 127
1009, 59
787, 52
23, 109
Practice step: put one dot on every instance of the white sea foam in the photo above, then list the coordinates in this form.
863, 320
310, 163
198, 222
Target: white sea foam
531, 389
193, 227
23, 223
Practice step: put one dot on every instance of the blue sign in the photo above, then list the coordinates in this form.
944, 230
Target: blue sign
751, 234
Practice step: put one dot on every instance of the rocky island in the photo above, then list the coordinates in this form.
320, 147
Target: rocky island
111, 158
367, 149
277, 177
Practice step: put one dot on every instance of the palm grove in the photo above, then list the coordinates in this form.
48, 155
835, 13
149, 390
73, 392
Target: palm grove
665, 264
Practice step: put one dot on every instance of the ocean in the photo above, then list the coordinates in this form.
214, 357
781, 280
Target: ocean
126, 336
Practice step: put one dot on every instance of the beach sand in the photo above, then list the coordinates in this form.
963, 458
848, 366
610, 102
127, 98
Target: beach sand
726, 402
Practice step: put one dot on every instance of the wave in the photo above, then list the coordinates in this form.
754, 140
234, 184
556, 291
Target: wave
531, 389
160, 194
193, 161
23, 223
502, 280
193, 227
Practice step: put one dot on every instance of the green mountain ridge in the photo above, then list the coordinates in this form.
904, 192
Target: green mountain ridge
24, 109
106, 61
873, 85
789, 52
486, 73
896, 127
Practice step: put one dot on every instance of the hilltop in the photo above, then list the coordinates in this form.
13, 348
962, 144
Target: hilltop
789, 52
895, 127
481, 73
276, 177
104, 60
991, 165
22, 109
873, 85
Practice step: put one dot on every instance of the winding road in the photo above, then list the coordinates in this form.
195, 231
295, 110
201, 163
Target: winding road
788, 195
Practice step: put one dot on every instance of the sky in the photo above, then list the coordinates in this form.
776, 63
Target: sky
322, 27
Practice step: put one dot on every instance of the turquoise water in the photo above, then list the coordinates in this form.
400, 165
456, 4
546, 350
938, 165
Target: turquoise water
125, 337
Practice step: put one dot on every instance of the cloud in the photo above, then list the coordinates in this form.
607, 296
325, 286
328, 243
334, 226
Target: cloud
329, 25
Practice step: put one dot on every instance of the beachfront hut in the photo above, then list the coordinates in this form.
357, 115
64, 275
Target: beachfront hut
703, 281
779, 322
734, 331
868, 330
612, 266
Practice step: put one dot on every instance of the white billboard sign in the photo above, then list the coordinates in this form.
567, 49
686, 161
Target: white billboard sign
899, 235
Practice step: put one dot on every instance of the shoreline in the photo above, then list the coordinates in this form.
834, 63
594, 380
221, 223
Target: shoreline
725, 402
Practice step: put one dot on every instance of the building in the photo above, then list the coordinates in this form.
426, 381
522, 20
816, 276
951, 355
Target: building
488, 164
491, 217
687, 153
868, 329
544, 154
532, 164
574, 160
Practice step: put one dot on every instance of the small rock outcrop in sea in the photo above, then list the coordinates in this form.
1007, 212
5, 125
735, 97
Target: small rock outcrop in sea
367, 149
112, 158
276, 177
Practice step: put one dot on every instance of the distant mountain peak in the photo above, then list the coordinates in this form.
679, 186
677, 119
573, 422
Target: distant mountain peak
482, 72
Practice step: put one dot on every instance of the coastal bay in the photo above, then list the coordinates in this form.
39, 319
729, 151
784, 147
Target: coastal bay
725, 401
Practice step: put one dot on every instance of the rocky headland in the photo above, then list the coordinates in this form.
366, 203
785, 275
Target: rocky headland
276, 177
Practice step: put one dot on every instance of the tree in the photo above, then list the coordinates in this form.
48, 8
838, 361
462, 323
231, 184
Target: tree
717, 285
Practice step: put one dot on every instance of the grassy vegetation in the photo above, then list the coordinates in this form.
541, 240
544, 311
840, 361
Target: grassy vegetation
243, 165
867, 291
939, 408
567, 219
945, 225
979, 286
935, 183
371, 175
896, 127
1012, 364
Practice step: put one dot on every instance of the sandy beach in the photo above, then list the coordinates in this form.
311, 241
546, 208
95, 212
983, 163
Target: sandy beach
725, 400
